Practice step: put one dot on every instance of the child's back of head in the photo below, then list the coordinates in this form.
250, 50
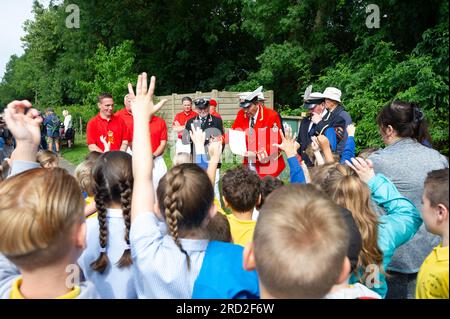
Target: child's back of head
47, 159
241, 189
346, 189
435, 201
268, 185
112, 178
219, 228
185, 197
83, 175
40, 210
300, 243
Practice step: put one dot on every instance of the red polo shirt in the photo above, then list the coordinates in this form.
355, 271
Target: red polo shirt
158, 131
115, 130
127, 117
266, 133
182, 118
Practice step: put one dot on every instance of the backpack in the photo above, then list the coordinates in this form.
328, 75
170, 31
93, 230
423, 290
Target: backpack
54, 124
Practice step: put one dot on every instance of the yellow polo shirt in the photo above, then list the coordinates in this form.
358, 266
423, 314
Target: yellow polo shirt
241, 230
432, 280
16, 294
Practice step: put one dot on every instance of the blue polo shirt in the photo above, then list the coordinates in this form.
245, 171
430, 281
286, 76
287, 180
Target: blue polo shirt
222, 275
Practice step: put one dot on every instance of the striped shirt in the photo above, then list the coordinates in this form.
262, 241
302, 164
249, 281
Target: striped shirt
160, 268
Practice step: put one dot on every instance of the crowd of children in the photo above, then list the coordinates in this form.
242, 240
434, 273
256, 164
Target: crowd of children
109, 232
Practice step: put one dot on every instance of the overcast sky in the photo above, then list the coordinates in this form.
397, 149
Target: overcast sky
13, 13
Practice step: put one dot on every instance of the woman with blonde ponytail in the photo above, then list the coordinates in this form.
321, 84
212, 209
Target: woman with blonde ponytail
107, 259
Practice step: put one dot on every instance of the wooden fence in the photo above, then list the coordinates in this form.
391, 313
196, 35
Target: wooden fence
228, 104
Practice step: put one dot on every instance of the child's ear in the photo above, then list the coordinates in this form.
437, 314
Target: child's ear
346, 268
212, 211
442, 213
80, 236
249, 257
225, 203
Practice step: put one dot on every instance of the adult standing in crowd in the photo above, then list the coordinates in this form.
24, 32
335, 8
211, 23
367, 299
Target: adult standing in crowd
179, 122
261, 126
309, 126
211, 125
52, 125
106, 125
213, 108
406, 162
126, 114
68, 128
336, 117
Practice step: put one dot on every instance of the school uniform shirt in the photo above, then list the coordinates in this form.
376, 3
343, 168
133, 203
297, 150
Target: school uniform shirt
264, 134
222, 275
115, 282
127, 117
241, 230
159, 266
11, 280
182, 118
114, 130
432, 280
356, 291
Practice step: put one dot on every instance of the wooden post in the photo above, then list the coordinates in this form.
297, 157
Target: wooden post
173, 105
215, 95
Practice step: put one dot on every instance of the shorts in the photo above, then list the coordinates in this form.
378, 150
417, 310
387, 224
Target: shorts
52, 139
69, 134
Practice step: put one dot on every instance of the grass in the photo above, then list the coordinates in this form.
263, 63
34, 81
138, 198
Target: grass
79, 150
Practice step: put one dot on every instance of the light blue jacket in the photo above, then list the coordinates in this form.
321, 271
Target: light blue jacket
399, 225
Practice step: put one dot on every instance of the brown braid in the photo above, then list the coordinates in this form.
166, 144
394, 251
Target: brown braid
102, 261
125, 199
173, 204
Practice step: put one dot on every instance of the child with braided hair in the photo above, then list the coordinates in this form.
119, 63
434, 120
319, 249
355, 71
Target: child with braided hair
167, 263
107, 259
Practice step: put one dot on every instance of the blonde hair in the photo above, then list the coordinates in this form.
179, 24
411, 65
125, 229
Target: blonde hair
47, 158
344, 187
83, 175
300, 243
38, 210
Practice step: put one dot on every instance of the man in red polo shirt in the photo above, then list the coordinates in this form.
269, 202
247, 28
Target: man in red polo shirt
181, 118
212, 108
126, 115
106, 124
261, 126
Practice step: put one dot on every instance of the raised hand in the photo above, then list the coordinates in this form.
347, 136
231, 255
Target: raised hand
215, 150
362, 167
315, 144
323, 141
24, 122
351, 128
142, 106
316, 118
106, 145
198, 137
288, 142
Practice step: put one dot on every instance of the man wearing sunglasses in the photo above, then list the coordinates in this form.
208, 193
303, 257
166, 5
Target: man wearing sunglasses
261, 126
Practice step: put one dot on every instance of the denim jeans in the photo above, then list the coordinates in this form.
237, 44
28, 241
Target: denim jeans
401, 286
